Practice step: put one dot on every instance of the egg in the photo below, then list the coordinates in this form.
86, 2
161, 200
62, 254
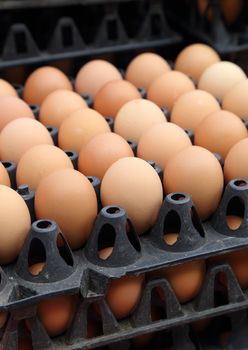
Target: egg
25, 344
135, 117
42, 82
58, 105
198, 173
101, 152
219, 131
200, 325
80, 127
42, 160
4, 176
167, 88
67, 197
146, 67
161, 142
6, 89
94, 75
192, 107
220, 77
12, 108
194, 59
113, 95
15, 224
235, 166
230, 9
235, 100
233, 221
20, 135
133, 184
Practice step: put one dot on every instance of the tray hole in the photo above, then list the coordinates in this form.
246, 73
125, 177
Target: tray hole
113, 210
70, 154
156, 25
220, 289
67, 36
94, 321
20, 42
106, 239
178, 196
6, 164
112, 29
235, 213
44, 224
172, 227
158, 308
64, 250
132, 237
240, 183
196, 222
36, 255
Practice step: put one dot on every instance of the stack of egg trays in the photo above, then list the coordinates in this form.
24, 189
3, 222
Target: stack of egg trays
143, 26
83, 272
216, 33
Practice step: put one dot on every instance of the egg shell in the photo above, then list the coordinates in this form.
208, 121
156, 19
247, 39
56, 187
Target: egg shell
146, 67
25, 344
15, 224
161, 142
43, 160
20, 135
101, 152
42, 81
198, 173
220, 77
58, 105
134, 185
113, 95
12, 108
80, 127
219, 131
67, 197
235, 166
192, 107
200, 325
4, 176
6, 89
167, 88
94, 75
233, 221
194, 59
135, 117
235, 100
230, 9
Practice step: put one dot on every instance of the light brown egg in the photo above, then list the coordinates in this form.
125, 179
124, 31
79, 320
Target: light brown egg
194, 59
101, 152
42, 81
192, 107
38, 162
198, 173
67, 197
235, 165
6, 89
219, 131
220, 77
20, 135
235, 100
4, 176
113, 95
135, 117
166, 89
80, 127
15, 224
94, 75
161, 142
58, 105
12, 108
230, 9
146, 67
233, 221
133, 184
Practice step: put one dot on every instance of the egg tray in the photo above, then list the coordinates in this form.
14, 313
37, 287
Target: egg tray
81, 31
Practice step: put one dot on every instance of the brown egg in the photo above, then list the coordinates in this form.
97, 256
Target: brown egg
185, 279
233, 221
20, 135
194, 59
13, 108
67, 197
15, 224
235, 166
235, 100
134, 185
80, 127
4, 176
25, 344
101, 152
36, 269
135, 117
42, 82
198, 173
166, 89
219, 131
58, 105
94, 75
113, 95
192, 107
220, 77
6, 89
200, 325
161, 142
229, 8
38, 162
146, 67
